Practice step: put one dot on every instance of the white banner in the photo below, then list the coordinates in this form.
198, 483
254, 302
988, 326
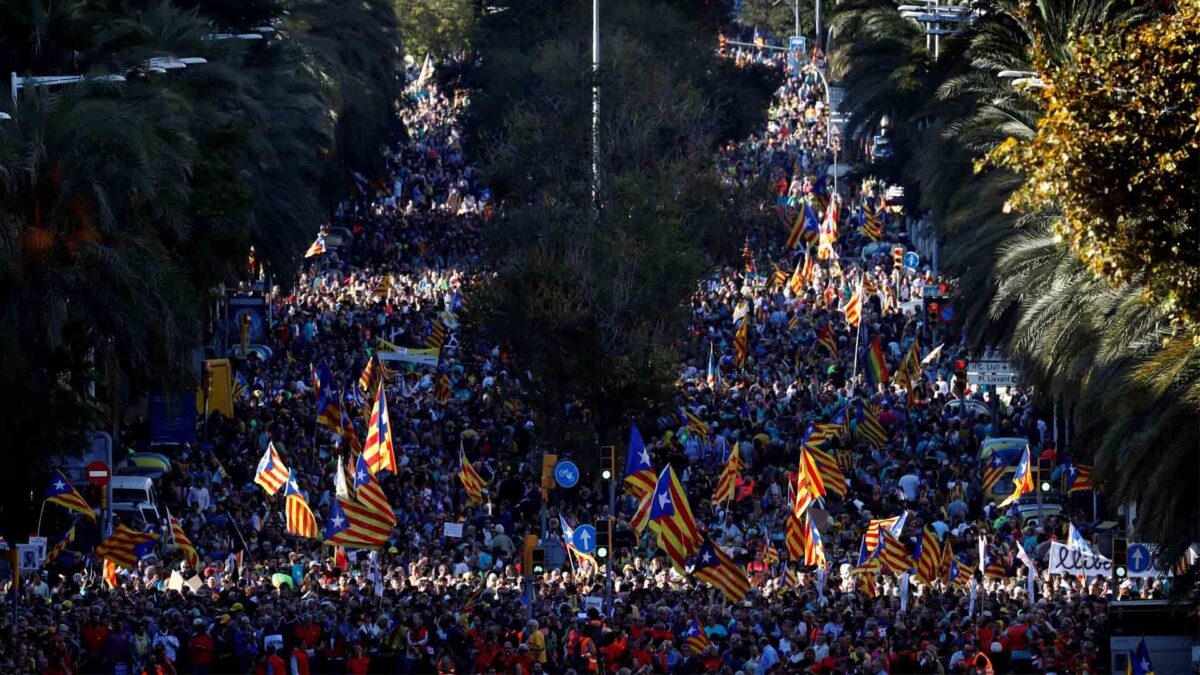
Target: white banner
427, 358
1065, 560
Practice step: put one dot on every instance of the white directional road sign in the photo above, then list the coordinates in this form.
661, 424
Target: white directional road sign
1139, 558
584, 538
992, 379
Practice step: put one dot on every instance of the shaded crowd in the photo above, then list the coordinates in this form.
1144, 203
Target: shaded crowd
265, 601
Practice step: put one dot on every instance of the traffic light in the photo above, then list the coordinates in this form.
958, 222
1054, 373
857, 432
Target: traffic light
898, 256
531, 544
603, 538
933, 313
960, 377
1120, 558
537, 563
723, 42
548, 464
608, 459
1045, 467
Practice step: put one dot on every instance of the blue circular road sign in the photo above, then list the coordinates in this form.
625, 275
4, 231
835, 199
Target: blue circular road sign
912, 260
1138, 556
584, 538
567, 475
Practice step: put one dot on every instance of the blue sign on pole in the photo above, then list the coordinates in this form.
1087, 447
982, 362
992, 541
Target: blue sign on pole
948, 314
1139, 558
566, 473
911, 260
584, 538
797, 45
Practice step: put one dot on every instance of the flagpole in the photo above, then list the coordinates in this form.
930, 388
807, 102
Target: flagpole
858, 328
43, 512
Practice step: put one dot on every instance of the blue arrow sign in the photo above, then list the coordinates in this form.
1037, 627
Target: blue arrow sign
1139, 558
912, 260
948, 314
584, 538
567, 475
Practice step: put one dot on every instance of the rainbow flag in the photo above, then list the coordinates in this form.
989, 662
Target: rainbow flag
877, 370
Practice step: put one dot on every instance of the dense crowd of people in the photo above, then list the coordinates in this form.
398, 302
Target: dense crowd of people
264, 601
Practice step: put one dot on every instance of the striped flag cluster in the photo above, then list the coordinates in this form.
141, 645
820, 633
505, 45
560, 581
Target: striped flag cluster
715, 567
893, 554
909, 372
695, 425
124, 547
814, 548
867, 425
875, 527
831, 474
362, 519
271, 473
670, 517
368, 375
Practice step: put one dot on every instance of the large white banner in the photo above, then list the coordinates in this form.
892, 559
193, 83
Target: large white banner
1075, 562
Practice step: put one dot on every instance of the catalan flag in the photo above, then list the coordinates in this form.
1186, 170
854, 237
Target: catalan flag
814, 548
868, 559
184, 544
729, 478
61, 492
241, 388
271, 474
124, 547
379, 453
671, 518
1022, 479
909, 372
471, 480
340, 530
371, 504
929, 556
368, 375
1139, 660
317, 247
694, 424
779, 277
641, 515
711, 377
329, 406
299, 518
867, 424
437, 336
695, 638
802, 495
993, 472
895, 525
810, 473
441, 389
713, 566
893, 554
1078, 477
832, 477
806, 228
741, 343
960, 574
61, 546
769, 555
794, 536
383, 288
568, 534
870, 226
639, 472
799, 277
877, 370
827, 339
853, 307
995, 568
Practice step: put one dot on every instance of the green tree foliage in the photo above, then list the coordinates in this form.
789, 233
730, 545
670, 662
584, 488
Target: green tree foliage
436, 27
123, 205
779, 17
593, 309
1128, 375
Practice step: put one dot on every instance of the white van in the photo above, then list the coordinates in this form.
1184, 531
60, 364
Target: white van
134, 496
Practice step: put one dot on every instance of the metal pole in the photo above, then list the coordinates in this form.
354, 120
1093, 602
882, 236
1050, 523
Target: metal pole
596, 109
608, 560
796, 7
817, 19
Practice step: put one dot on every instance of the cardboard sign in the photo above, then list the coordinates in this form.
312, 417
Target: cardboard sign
453, 530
